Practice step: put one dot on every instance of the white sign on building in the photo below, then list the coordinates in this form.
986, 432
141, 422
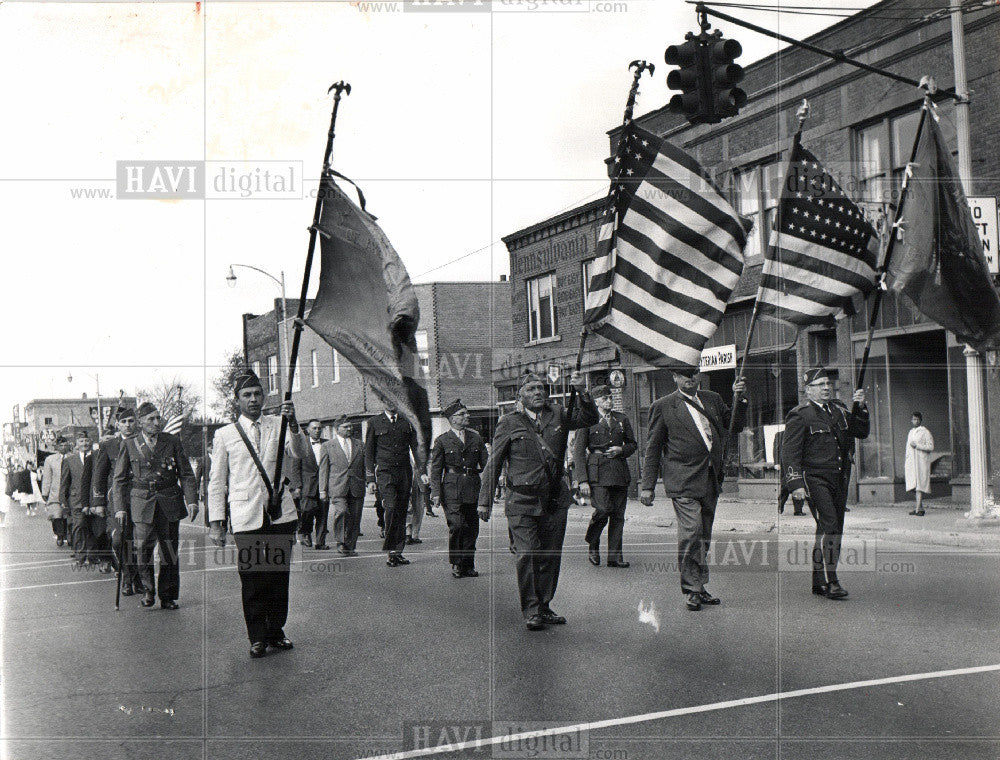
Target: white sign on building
718, 357
984, 214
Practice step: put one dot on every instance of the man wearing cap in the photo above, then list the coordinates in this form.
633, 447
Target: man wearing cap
120, 528
154, 477
600, 455
342, 482
51, 471
391, 439
816, 466
244, 460
75, 473
303, 482
531, 441
687, 431
457, 458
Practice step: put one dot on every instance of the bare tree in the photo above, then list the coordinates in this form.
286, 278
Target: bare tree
171, 397
225, 401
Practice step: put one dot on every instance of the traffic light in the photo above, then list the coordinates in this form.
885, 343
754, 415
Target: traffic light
689, 78
727, 98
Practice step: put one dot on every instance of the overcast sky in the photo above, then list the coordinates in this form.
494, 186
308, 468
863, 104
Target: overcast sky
461, 128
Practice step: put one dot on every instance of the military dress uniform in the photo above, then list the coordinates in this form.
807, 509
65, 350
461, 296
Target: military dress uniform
609, 478
388, 444
156, 483
816, 455
537, 500
456, 461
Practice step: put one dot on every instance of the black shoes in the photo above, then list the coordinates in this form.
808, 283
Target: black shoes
258, 649
693, 601
306, 541
917, 512
395, 559
470, 572
169, 604
830, 590
346, 552
594, 555
127, 589
148, 599
456, 572
535, 623
320, 547
550, 618
411, 541
707, 598
618, 563
281, 643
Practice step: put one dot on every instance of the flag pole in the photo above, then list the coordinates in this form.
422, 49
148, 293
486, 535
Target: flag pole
889, 247
801, 114
338, 90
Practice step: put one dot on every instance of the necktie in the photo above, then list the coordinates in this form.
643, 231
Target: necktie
256, 435
345, 443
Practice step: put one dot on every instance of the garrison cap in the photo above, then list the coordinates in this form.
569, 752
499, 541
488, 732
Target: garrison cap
600, 391
813, 374
246, 379
123, 412
530, 377
454, 407
146, 408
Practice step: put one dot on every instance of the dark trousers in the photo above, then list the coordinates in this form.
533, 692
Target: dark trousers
321, 520
87, 537
379, 509
463, 530
538, 544
165, 534
306, 507
827, 499
694, 538
394, 486
609, 509
263, 561
60, 528
347, 520
123, 551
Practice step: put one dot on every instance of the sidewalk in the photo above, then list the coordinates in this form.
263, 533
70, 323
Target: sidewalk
944, 524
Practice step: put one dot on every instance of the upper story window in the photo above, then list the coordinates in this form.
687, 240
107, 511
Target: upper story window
336, 366
296, 378
758, 190
587, 271
315, 368
272, 373
541, 307
423, 352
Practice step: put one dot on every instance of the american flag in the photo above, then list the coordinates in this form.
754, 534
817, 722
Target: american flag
661, 282
818, 256
174, 425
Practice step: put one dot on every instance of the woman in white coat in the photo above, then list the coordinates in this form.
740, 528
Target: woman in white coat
917, 467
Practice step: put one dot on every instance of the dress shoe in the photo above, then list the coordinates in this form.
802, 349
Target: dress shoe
821, 590
401, 560
350, 553
550, 618
594, 556
707, 598
343, 552
835, 591
535, 623
618, 563
59, 541
169, 604
918, 512
798, 514
127, 589
381, 532
148, 599
360, 534
416, 541
694, 601
470, 572
106, 568
320, 547
391, 561
305, 541
456, 572
258, 649
410, 540
281, 643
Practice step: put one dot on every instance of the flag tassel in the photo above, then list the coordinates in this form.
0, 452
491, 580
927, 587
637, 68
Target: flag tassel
338, 89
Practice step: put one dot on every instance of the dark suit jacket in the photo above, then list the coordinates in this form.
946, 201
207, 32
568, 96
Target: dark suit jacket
449, 452
104, 466
339, 478
304, 473
530, 468
74, 481
168, 466
589, 462
688, 466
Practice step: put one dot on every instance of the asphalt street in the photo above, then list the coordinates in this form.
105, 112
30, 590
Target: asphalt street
400, 660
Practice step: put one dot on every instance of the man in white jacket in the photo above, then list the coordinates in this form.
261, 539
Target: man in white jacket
237, 485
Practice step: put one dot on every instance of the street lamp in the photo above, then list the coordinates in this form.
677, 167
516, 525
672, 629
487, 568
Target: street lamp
280, 282
100, 414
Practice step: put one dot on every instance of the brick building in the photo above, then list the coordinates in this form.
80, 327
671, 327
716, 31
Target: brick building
464, 326
861, 126
45, 418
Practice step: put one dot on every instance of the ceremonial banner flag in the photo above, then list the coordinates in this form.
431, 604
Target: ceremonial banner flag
174, 425
660, 285
366, 307
819, 255
939, 263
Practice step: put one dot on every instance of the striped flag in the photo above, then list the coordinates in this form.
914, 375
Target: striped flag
174, 425
818, 257
660, 285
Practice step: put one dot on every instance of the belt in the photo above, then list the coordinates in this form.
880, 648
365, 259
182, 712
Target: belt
152, 488
462, 470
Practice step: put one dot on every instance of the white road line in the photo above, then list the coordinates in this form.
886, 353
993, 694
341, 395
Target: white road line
647, 717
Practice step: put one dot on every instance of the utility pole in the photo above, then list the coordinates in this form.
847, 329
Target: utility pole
975, 371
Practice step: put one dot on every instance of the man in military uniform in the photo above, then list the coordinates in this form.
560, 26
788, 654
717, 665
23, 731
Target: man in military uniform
532, 443
600, 455
120, 529
457, 458
390, 440
154, 477
816, 467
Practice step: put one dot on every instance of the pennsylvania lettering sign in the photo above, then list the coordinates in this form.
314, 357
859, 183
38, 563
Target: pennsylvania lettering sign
550, 253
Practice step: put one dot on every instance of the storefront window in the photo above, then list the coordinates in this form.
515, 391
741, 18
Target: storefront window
541, 307
772, 391
876, 451
959, 396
